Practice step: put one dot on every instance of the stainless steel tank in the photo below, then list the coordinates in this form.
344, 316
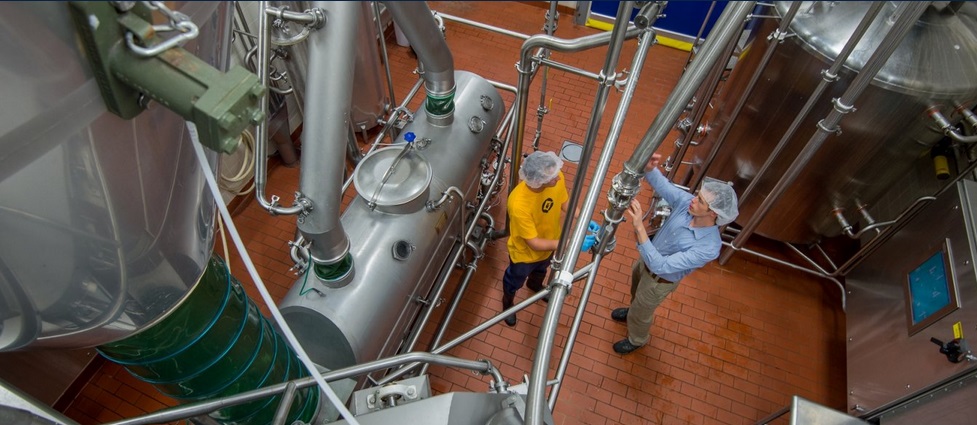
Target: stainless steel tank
106, 224
369, 101
398, 244
880, 141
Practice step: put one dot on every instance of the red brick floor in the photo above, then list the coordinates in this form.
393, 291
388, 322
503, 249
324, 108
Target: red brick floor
731, 345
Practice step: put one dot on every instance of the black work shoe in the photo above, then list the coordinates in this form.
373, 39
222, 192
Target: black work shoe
511, 320
625, 346
620, 314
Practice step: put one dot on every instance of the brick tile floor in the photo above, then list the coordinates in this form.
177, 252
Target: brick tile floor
731, 345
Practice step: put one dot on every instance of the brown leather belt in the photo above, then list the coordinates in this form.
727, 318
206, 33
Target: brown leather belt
656, 277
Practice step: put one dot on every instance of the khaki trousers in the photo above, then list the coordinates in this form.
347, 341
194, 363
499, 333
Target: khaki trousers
647, 292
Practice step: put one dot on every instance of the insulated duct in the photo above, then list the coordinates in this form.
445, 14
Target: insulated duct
328, 97
436, 64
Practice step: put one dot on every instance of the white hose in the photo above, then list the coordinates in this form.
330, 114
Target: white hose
232, 229
245, 171
227, 253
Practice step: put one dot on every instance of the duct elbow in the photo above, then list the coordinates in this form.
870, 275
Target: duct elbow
421, 28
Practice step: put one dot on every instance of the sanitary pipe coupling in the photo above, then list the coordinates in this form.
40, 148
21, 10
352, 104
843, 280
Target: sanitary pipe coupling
948, 128
624, 187
863, 210
440, 107
839, 214
941, 122
968, 116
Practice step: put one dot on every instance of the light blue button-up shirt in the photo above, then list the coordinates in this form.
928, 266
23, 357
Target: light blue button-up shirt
678, 249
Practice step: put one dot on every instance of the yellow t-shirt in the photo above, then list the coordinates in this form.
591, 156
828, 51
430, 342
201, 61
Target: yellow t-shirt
534, 215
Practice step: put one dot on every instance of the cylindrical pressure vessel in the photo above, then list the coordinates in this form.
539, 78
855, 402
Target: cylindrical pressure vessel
398, 243
106, 222
880, 141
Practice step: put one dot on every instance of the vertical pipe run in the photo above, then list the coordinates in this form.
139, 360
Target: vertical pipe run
383, 52
600, 101
828, 76
732, 19
542, 110
437, 65
781, 32
909, 13
705, 94
645, 41
535, 399
698, 35
525, 68
328, 97
261, 130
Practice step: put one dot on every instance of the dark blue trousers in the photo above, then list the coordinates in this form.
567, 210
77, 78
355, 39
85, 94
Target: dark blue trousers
530, 274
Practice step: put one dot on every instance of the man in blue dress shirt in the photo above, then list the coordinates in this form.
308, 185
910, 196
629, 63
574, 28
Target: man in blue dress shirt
688, 239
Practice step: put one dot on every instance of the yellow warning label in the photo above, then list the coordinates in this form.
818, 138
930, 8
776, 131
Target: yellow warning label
957, 330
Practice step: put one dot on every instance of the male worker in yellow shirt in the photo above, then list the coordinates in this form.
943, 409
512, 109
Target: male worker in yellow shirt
534, 208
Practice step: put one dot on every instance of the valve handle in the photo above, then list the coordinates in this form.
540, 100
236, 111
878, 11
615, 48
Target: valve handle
952, 350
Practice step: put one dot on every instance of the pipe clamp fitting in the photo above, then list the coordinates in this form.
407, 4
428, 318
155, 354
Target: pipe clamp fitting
841, 107
836, 130
564, 278
828, 76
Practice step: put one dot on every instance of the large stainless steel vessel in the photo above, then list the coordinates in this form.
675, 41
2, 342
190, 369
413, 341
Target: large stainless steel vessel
398, 243
880, 141
106, 223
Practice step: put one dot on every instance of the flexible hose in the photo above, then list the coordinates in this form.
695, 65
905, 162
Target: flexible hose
220, 227
245, 171
259, 283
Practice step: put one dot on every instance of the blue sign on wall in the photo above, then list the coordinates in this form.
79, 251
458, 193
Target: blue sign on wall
683, 17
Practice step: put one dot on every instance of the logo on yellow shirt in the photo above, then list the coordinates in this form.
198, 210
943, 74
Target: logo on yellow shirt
547, 205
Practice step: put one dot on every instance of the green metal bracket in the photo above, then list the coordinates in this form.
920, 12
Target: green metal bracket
221, 105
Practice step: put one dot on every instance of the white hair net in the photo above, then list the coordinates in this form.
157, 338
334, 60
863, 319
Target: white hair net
723, 201
540, 168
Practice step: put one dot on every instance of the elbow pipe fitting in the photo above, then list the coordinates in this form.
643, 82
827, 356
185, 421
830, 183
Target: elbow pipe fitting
949, 129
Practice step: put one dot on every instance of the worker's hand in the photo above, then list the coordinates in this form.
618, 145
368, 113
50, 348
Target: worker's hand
634, 210
593, 226
588, 242
653, 162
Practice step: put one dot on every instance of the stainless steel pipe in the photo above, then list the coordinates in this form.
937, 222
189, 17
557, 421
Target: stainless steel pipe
261, 130
328, 97
729, 25
202, 408
779, 34
525, 68
561, 279
645, 42
828, 76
